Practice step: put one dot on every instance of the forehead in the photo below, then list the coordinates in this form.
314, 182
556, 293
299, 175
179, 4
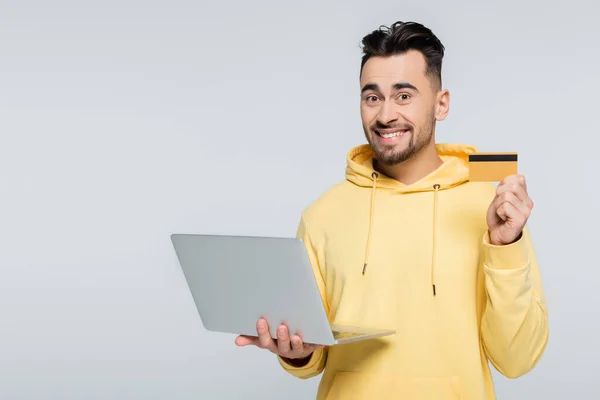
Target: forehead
385, 71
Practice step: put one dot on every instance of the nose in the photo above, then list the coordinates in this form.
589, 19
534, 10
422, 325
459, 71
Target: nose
387, 114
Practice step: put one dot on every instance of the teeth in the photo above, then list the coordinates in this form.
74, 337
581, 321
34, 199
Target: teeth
391, 135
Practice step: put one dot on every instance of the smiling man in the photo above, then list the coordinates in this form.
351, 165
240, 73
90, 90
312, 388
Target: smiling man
407, 242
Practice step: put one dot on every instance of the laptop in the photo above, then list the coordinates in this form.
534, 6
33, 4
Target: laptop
235, 280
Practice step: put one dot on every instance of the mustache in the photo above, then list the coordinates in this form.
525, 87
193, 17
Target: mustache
403, 126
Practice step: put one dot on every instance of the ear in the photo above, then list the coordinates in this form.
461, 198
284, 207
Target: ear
442, 106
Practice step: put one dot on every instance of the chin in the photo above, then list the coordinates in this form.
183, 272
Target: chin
388, 150
392, 155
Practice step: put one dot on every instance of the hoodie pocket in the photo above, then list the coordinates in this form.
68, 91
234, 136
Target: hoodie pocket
361, 386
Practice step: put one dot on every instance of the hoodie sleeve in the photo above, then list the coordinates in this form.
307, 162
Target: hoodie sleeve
514, 325
316, 363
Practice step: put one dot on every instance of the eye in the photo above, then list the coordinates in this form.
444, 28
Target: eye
371, 98
403, 97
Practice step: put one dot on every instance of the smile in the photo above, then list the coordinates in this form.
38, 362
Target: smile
389, 134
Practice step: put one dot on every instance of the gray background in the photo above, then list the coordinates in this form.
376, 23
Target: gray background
124, 121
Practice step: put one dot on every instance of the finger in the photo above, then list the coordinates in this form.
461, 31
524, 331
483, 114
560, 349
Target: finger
522, 181
518, 190
514, 179
514, 188
297, 345
244, 340
507, 211
512, 199
264, 336
283, 340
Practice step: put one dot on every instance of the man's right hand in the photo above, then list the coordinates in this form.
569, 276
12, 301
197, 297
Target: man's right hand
291, 348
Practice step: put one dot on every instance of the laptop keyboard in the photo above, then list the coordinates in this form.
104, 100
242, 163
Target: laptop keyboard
345, 335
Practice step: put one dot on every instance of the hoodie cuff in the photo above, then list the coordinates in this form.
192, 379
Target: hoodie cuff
510, 256
315, 357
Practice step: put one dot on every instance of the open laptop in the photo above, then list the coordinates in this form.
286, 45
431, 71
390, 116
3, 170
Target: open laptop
235, 280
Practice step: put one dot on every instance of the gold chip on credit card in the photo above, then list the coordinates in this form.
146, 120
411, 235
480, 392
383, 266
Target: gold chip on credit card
492, 167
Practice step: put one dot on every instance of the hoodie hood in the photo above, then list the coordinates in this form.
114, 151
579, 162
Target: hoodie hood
453, 172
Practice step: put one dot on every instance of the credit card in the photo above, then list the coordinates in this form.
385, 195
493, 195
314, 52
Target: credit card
492, 167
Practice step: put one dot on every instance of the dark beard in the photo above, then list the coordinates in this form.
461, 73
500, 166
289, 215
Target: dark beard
385, 154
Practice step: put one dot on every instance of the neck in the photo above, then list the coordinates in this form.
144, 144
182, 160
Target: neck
415, 168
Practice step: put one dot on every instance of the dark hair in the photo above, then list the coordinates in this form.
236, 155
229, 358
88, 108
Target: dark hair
402, 37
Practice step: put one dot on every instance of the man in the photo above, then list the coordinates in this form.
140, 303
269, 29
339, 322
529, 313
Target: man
407, 242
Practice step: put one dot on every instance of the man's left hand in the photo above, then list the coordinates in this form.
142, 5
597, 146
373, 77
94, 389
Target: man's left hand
509, 211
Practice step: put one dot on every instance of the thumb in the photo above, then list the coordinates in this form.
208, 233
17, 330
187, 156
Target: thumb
502, 212
244, 340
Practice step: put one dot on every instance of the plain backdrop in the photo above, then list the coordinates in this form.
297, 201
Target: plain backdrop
122, 122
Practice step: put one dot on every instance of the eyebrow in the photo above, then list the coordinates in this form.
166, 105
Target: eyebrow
396, 86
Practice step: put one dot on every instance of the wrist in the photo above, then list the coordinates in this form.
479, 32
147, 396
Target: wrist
298, 362
499, 243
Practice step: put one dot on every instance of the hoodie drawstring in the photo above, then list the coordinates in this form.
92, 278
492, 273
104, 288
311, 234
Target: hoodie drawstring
434, 244
374, 175
436, 188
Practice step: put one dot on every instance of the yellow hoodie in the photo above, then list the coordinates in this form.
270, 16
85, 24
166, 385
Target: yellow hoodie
417, 259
